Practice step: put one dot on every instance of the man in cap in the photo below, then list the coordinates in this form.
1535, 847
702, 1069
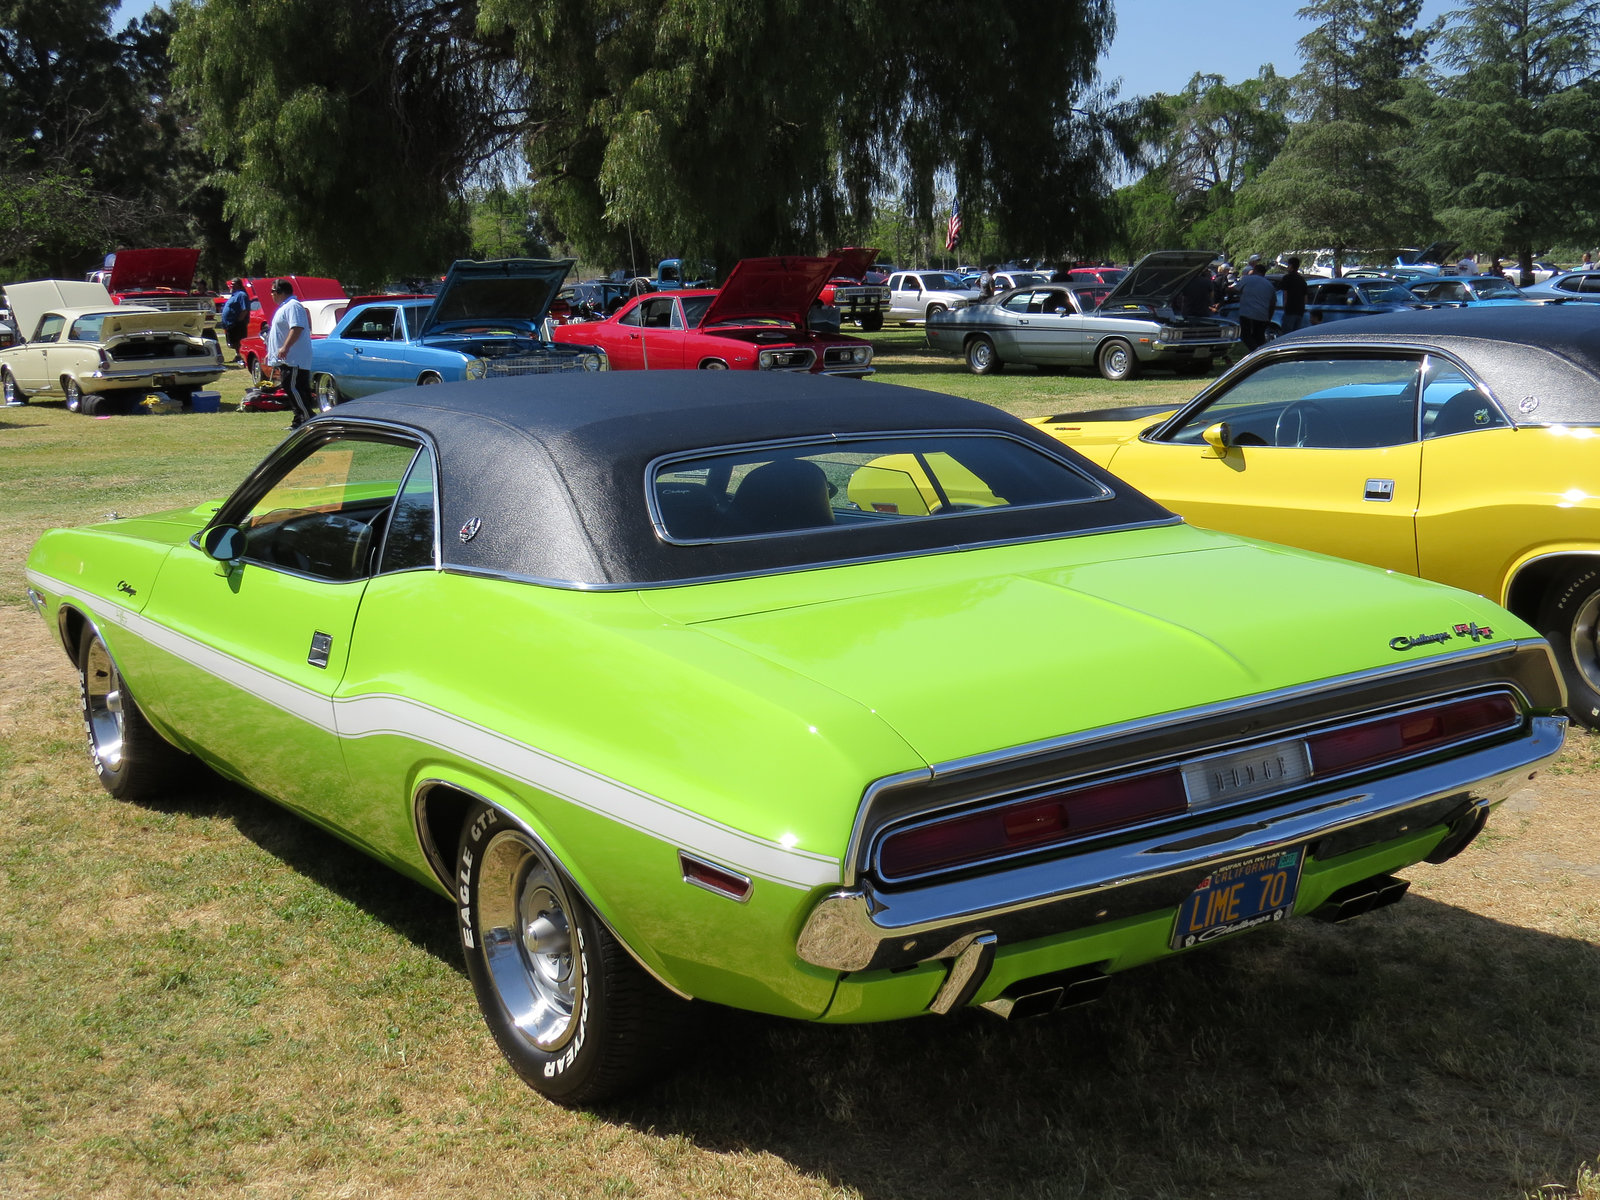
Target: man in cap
289, 349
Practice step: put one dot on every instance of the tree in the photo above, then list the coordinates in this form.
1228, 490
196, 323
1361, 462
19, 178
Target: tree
1510, 144
1337, 183
345, 134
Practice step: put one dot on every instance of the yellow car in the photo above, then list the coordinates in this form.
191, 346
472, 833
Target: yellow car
99, 357
1461, 445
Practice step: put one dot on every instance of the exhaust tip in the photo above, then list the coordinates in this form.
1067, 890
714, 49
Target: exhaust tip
1045, 994
1359, 898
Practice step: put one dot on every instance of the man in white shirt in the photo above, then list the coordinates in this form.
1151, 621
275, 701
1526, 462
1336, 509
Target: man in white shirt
289, 350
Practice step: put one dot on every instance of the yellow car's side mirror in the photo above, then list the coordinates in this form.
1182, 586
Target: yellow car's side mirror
1218, 438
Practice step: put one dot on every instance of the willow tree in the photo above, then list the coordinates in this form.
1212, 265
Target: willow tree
346, 133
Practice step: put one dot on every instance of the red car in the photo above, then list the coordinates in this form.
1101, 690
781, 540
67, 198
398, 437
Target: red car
159, 278
852, 290
756, 322
1106, 275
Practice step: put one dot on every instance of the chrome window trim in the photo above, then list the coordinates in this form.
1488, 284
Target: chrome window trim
866, 829
578, 585
1303, 732
663, 461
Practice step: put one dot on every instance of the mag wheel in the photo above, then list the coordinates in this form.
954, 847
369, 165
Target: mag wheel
10, 393
73, 393
574, 1015
327, 392
1570, 619
131, 759
1116, 360
981, 358
253, 364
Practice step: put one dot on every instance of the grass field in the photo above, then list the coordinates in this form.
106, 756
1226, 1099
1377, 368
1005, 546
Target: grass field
208, 997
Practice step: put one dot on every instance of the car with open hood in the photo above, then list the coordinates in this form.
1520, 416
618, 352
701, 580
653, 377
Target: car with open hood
1118, 330
757, 321
160, 278
98, 357
485, 321
1455, 444
733, 688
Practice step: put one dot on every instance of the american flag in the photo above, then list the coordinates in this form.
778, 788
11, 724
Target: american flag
952, 237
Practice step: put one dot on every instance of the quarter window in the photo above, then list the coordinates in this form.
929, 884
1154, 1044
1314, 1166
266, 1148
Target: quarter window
50, 326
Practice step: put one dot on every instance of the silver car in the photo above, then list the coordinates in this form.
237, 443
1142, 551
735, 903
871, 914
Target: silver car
1117, 330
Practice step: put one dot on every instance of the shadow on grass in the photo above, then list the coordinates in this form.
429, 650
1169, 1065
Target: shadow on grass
1423, 1051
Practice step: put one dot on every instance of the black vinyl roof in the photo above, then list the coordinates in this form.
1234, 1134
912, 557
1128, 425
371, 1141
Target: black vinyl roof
553, 467
1540, 361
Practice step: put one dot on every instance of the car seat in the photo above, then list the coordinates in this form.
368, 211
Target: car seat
782, 495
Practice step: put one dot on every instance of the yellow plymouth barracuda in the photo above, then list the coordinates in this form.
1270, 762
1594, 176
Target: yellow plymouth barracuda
1451, 444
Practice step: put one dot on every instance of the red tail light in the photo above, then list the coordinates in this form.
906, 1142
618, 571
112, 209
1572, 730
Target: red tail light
1411, 732
1031, 823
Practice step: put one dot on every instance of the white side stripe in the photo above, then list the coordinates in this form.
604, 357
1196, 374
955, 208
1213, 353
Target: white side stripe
373, 715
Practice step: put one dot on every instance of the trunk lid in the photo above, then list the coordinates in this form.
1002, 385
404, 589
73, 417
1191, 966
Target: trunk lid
972, 652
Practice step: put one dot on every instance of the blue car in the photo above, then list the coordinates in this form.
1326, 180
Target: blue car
485, 322
1467, 291
1337, 299
1574, 285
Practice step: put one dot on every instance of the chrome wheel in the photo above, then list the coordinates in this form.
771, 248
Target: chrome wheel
533, 953
714, 364
10, 393
1116, 361
102, 707
429, 378
328, 397
74, 394
1583, 640
981, 358
253, 364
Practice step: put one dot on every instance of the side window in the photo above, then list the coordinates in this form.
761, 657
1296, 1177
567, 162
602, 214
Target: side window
409, 541
1591, 283
50, 326
326, 515
1023, 302
372, 325
1337, 294
1452, 403
1573, 283
634, 316
1336, 403
658, 313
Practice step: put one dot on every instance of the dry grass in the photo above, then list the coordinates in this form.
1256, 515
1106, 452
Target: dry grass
208, 997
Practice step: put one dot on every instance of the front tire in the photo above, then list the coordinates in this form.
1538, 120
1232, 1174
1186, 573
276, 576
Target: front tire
1570, 619
327, 393
429, 378
10, 394
981, 357
872, 322
571, 1011
253, 365
936, 308
713, 364
1116, 360
132, 760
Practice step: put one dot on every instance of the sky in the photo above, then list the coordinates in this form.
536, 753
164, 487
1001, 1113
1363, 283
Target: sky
1160, 44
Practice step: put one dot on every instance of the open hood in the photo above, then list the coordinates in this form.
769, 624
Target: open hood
147, 270
1157, 277
503, 289
30, 301
1433, 252
854, 261
770, 288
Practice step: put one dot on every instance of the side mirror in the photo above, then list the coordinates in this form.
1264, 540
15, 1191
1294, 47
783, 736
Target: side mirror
225, 543
1219, 437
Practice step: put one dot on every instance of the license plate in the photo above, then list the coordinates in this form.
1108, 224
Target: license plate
1239, 896
1229, 777
165, 380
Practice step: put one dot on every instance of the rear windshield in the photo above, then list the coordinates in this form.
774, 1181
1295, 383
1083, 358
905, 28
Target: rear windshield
867, 481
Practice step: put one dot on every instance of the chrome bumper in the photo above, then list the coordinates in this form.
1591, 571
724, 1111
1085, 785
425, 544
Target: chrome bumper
865, 928
210, 371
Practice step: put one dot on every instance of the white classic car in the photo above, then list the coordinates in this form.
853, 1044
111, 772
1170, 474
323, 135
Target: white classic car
97, 356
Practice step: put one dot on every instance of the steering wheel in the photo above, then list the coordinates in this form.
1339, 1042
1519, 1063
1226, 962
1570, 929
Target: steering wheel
1297, 421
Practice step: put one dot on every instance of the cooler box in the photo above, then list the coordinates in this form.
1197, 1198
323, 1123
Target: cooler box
203, 402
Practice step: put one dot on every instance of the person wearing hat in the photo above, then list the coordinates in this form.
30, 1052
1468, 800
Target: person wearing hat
236, 315
289, 349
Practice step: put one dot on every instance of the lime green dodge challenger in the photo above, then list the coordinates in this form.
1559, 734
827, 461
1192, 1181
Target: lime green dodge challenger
837, 701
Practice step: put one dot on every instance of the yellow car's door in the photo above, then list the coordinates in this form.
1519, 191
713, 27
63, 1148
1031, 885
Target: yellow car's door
1322, 454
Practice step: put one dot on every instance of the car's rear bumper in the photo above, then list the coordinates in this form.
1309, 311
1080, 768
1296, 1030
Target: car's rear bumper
153, 378
867, 927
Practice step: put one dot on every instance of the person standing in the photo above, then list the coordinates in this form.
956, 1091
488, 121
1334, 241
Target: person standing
236, 316
986, 285
289, 350
1257, 301
1293, 285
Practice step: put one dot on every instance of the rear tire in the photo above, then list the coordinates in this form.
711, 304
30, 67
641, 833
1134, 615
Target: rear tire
1116, 360
571, 1011
981, 357
327, 393
73, 393
1570, 619
132, 760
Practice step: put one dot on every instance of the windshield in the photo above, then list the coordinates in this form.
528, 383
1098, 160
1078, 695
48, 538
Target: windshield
941, 281
1492, 288
1388, 291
